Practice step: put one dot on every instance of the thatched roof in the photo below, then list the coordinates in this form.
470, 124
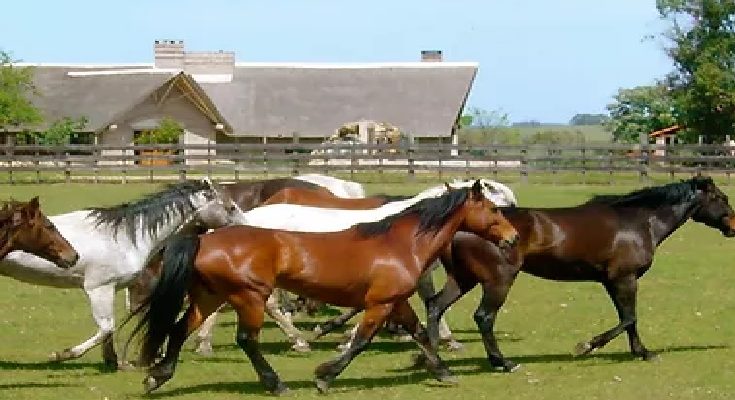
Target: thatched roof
422, 99
99, 98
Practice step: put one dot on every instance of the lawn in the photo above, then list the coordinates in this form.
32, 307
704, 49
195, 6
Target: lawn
686, 311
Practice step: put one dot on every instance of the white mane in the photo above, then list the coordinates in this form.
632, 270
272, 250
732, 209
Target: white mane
297, 218
338, 187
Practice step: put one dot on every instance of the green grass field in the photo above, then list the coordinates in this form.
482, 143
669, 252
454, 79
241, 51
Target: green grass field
686, 311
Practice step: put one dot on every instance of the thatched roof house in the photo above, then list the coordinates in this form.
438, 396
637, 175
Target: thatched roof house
218, 99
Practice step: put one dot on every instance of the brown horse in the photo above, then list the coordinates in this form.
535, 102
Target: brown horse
373, 266
610, 239
24, 227
325, 199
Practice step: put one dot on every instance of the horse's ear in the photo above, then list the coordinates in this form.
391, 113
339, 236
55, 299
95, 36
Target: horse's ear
477, 189
18, 218
34, 205
447, 186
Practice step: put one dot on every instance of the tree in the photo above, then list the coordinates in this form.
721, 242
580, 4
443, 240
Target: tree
16, 84
588, 119
61, 131
702, 45
167, 132
643, 109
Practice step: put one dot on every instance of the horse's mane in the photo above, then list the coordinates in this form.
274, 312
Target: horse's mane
432, 213
650, 197
151, 212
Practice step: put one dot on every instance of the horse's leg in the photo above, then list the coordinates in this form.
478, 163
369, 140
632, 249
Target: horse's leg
404, 315
373, 319
204, 336
102, 303
201, 305
334, 323
625, 304
285, 323
623, 293
493, 297
425, 290
438, 304
249, 307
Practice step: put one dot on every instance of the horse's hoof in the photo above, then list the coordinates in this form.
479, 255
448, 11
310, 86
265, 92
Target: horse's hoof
509, 367
125, 366
58, 356
322, 385
404, 338
150, 384
418, 360
301, 347
280, 390
453, 345
204, 350
651, 357
582, 348
448, 379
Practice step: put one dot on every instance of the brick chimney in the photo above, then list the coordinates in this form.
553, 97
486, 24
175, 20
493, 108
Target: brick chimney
431, 55
169, 54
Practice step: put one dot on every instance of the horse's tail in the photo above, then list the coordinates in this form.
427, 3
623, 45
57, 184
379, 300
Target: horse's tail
167, 298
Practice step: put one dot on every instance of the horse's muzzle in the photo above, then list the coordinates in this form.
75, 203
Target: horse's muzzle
508, 243
68, 261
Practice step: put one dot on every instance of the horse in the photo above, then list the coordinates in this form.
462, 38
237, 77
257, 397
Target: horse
114, 244
24, 227
610, 239
339, 187
316, 219
250, 194
241, 265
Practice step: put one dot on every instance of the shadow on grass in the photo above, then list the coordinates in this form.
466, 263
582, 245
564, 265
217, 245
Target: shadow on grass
100, 367
482, 362
34, 385
340, 385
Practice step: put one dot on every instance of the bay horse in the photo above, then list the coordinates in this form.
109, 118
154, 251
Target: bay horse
611, 239
374, 266
24, 227
113, 245
317, 218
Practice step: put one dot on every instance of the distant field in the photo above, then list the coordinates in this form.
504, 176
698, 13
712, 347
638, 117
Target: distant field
591, 133
686, 311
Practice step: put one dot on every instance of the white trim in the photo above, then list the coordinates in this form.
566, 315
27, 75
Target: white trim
212, 78
167, 71
415, 64
82, 65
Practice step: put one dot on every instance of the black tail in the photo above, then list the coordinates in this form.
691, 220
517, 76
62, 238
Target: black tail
165, 302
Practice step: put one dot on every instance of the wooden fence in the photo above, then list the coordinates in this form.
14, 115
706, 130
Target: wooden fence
29, 163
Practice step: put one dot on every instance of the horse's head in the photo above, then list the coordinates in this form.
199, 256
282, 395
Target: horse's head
28, 229
215, 208
485, 219
714, 209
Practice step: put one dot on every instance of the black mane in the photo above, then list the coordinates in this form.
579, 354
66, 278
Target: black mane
432, 213
651, 197
151, 212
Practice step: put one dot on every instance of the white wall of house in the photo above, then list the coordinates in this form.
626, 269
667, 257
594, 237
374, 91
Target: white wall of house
198, 129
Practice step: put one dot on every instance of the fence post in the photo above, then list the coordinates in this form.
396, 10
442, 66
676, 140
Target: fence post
643, 159
411, 170
352, 161
524, 163
583, 154
11, 152
610, 155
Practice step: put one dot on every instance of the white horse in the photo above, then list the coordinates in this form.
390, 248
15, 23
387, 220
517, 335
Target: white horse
114, 244
292, 217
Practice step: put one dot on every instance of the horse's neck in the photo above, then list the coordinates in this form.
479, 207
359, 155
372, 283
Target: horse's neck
429, 244
666, 220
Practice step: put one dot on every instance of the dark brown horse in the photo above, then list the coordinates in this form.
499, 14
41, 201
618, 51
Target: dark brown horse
610, 239
24, 227
251, 194
373, 266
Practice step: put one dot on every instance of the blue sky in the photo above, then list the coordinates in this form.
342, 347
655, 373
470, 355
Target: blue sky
539, 59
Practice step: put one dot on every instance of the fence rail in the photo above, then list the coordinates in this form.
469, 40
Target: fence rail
156, 162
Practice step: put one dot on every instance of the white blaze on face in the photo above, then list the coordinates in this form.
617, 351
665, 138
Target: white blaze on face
498, 193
